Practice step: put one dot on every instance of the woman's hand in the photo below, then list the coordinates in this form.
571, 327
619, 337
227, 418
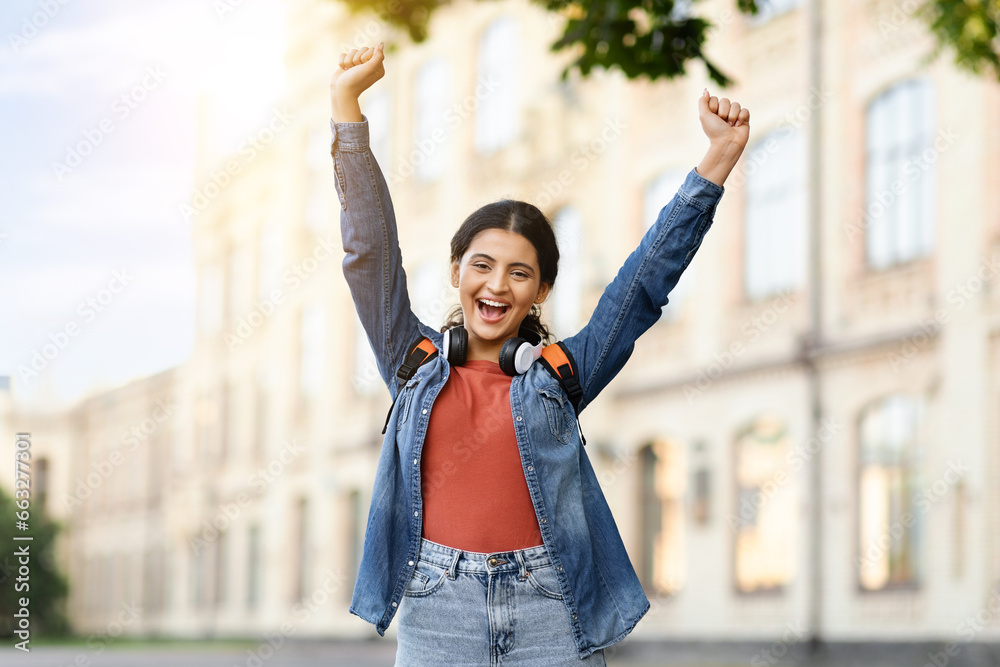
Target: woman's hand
357, 71
727, 126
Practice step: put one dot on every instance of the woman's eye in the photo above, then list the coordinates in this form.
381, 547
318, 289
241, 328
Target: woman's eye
481, 265
520, 274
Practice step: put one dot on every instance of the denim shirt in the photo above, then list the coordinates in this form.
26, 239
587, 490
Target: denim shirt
601, 591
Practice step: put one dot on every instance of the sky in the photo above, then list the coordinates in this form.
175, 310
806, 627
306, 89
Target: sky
98, 102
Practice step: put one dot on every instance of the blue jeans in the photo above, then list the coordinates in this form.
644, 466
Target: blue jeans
471, 609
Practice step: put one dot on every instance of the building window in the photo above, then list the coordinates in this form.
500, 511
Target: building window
565, 300
253, 566
429, 293
768, 9
262, 414
210, 300
378, 110
889, 525
366, 378
775, 224
430, 133
900, 197
356, 537
764, 509
271, 254
658, 193
497, 83
238, 287
662, 513
313, 358
219, 569
301, 568
40, 490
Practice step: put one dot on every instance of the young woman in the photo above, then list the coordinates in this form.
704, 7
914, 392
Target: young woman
488, 530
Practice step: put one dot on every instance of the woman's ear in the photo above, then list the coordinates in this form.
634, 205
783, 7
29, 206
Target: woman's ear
454, 273
543, 292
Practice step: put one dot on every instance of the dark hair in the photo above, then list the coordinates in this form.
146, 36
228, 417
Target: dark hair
521, 218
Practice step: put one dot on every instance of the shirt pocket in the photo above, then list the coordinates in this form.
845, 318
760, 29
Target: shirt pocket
404, 400
559, 412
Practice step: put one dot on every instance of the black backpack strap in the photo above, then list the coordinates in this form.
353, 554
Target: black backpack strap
421, 351
561, 365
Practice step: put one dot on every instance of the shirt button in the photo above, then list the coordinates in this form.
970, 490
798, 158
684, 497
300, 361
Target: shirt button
519, 418
559, 567
416, 514
414, 462
544, 520
531, 468
411, 562
393, 604
424, 411
574, 617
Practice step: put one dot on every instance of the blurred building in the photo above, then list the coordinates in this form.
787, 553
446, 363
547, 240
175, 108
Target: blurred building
805, 444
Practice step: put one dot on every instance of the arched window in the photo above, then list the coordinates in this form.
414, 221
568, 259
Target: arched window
432, 88
497, 83
900, 198
889, 524
565, 301
764, 508
658, 193
774, 247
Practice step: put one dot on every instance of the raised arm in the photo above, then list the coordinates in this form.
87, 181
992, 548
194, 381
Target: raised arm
633, 301
373, 263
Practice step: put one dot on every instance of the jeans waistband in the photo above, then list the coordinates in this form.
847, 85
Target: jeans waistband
475, 561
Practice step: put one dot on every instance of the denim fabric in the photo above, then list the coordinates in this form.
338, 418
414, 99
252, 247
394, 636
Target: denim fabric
471, 609
599, 587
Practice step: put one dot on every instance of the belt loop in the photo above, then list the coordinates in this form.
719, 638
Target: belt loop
522, 565
454, 563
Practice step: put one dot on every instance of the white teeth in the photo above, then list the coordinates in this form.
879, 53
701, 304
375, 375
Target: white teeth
493, 303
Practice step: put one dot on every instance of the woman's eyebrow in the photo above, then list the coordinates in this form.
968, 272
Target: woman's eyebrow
485, 256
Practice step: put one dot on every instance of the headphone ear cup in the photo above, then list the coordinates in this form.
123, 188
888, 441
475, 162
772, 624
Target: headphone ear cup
456, 345
508, 355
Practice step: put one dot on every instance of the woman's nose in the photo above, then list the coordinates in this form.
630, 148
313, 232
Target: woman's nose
497, 283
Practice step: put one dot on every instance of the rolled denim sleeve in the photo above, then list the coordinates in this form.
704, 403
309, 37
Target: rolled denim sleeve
632, 302
373, 263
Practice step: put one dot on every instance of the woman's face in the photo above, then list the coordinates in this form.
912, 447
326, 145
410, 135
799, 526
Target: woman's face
499, 266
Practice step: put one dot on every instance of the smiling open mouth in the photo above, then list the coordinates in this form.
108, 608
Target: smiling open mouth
491, 313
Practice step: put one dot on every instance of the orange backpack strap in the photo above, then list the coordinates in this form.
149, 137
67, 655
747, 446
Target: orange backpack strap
560, 364
421, 351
